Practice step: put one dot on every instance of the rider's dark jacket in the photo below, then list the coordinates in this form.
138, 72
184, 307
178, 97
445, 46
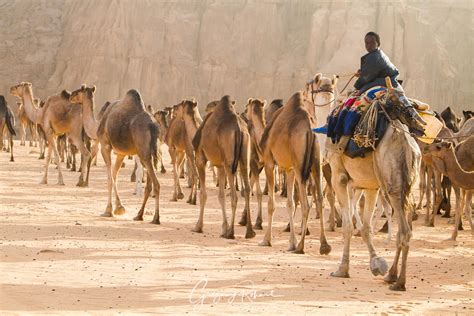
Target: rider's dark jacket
374, 67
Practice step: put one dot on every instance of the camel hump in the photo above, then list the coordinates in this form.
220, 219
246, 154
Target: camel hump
136, 98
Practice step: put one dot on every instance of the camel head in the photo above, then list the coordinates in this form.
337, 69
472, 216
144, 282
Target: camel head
321, 89
226, 102
451, 120
20, 89
255, 108
401, 108
149, 109
161, 117
467, 114
79, 95
190, 107
211, 106
438, 149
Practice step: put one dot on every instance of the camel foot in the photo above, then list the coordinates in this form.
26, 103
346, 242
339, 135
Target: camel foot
81, 183
228, 235
397, 287
339, 223
163, 170
197, 229
250, 233
44, 181
378, 266
356, 233
155, 221
390, 278
119, 210
60, 182
287, 228
324, 249
331, 228
243, 220
133, 178
298, 251
106, 214
430, 224
258, 225
180, 196
22, 144
265, 243
340, 274
138, 218
12, 160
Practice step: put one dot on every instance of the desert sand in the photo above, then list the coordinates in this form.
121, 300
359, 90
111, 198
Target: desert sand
59, 256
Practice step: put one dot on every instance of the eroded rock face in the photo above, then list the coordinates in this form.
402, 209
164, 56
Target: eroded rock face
205, 49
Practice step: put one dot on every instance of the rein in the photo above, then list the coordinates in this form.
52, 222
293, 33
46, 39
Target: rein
313, 92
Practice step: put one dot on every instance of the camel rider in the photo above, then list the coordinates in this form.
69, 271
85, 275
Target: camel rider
374, 66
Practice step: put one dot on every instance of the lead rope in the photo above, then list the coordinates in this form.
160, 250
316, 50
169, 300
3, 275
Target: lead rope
336, 94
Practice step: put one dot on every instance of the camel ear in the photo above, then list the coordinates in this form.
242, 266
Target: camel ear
249, 100
449, 145
264, 102
83, 86
334, 80
93, 89
233, 102
459, 120
194, 103
388, 82
317, 77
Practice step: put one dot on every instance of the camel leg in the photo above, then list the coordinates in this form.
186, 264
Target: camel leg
119, 209
151, 179
378, 265
177, 194
318, 196
138, 170
259, 220
438, 197
107, 156
222, 177
133, 176
148, 186
10, 138
94, 152
201, 169
356, 195
422, 184
250, 233
467, 209
290, 206
267, 239
192, 174
30, 128
303, 196
85, 154
428, 196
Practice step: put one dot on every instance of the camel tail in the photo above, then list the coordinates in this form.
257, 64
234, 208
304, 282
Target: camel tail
237, 150
308, 156
154, 131
10, 120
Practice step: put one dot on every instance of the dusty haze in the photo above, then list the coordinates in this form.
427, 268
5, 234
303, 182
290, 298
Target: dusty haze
170, 50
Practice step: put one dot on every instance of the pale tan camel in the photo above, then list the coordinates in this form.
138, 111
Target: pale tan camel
393, 168
127, 129
58, 116
289, 143
223, 140
179, 138
25, 124
458, 164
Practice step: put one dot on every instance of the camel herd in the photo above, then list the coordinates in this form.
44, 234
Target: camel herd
274, 137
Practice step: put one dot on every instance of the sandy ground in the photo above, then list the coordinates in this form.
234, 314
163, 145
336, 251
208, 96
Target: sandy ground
58, 256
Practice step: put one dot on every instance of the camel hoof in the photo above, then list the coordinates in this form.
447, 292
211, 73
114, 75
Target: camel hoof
61, 182
229, 235
298, 251
44, 181
197, 230
156, 222
250, 234
331, 228
12, 160
429, 224
378, 266
173, 199
339, 223
391, 278
106, 214
324, 249
120, 210
340, 274
163, 170
81, 184
258, 226
265, 243
243, 221
180, 196
397, 287
138, 218
287, 228
291, 248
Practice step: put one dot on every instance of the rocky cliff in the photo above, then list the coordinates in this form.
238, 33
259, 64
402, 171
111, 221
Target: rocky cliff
170, 50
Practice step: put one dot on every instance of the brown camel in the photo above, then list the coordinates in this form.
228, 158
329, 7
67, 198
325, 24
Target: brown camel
458, 164
451, 119
7, 123
289, 143
223, 140
57, 117
127, 129
392, 168
179, 138
161, 117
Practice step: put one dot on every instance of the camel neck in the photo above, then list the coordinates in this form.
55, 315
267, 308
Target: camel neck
33, 113
456, 174
258, 127
191, 125
90, 124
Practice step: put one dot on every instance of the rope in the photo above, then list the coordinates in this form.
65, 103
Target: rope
364, 135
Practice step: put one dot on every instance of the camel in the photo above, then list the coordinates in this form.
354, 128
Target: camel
160, 117
392, 168
127, 129
57, 117
323, 94
289, 143
467, 114
7, 122
179, 138
25, 124
451, 119
224, 141
256, 126
458, 164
